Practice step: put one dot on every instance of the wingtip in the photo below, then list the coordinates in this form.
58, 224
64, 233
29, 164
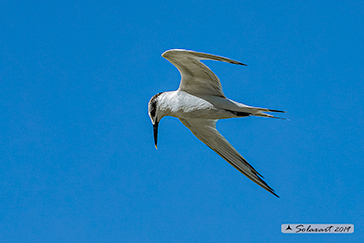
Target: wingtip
201, 55
238, 63
271, 190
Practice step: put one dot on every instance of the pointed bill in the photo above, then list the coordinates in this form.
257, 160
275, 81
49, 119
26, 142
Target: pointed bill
155, 130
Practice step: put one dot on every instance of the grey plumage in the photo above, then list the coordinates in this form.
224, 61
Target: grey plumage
199, 102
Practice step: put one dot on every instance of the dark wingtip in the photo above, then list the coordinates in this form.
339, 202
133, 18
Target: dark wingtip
239, 63
271, 190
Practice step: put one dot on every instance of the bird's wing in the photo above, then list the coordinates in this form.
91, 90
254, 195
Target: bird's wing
205, 130
196, 77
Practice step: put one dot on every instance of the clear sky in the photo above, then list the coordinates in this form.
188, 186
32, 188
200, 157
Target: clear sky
77, 158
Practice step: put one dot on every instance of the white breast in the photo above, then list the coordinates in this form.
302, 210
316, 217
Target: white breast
184, 105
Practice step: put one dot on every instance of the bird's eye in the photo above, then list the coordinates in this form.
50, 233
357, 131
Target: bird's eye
152, 111
153, 105
152, 108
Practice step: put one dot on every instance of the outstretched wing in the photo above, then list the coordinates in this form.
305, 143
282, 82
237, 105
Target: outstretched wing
196, 77
205, 130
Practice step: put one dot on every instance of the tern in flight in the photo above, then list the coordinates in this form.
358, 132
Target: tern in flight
199, 102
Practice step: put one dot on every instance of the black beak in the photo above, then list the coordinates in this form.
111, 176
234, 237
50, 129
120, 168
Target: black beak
155, 129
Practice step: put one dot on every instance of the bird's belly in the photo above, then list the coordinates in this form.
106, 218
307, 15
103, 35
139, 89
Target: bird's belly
207, 114
195, 107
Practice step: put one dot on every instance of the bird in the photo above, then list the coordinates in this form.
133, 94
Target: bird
199, 103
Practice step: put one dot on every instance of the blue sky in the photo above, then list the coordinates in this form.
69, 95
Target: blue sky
77, 157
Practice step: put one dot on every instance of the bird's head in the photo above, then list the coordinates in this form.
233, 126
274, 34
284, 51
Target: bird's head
155, 115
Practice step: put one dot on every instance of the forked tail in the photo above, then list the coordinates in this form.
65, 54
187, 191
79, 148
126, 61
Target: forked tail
261, 112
